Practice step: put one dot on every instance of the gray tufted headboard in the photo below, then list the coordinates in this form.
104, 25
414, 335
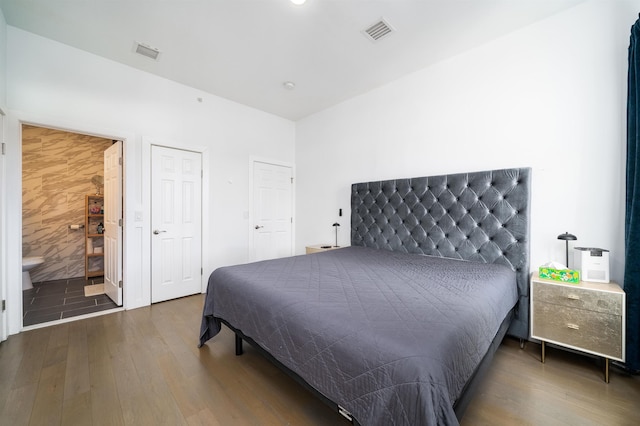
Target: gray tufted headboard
479, 216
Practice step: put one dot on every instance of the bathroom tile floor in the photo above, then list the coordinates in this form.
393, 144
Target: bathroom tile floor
55, 300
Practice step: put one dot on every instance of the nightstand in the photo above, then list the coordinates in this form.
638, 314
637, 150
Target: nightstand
319, 247
586, 316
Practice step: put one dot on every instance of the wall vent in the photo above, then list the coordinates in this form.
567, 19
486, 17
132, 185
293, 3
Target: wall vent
145, 50
378, 31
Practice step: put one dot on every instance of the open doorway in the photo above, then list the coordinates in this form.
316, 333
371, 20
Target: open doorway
62, 203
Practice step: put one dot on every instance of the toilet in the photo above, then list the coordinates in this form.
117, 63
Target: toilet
29, 263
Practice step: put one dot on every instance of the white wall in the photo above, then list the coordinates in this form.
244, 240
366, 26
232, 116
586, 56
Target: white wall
52, 84
3, 61
551, 96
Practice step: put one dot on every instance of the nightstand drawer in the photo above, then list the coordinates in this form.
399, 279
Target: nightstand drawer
597, 301
584, 329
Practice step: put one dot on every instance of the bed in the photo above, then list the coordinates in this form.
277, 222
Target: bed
397, 328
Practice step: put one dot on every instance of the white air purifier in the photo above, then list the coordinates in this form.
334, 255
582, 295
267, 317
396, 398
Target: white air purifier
593, 264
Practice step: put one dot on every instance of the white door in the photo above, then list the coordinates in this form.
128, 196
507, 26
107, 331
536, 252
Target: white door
176, 223
3, 288
272, 211
113, 222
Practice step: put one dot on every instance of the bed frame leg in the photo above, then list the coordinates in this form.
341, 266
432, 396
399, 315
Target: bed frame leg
239, 350
522, 342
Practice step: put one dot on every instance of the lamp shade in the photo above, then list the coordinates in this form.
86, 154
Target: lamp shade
567, 237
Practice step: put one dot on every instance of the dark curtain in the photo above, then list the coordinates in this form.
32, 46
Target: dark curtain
632, 212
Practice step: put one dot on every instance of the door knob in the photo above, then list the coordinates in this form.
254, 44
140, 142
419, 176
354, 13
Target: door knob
258, 226
158, 231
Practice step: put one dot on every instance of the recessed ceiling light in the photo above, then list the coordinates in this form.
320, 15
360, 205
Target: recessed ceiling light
298, 2
289, 85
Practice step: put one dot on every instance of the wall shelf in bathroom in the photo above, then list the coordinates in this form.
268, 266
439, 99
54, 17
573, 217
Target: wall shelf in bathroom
94, 262
92, 274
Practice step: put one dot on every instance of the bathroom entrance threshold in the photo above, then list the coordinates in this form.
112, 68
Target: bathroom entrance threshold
71, 319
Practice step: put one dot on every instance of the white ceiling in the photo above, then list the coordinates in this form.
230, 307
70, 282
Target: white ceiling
244, 50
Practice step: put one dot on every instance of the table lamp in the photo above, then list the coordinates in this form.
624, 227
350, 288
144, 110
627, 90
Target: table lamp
567, 237
335, 225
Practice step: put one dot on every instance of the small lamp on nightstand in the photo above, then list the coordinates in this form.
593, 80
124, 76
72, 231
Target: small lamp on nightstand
567, 237
335, 225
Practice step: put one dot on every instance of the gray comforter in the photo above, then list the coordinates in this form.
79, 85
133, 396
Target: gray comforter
391, 337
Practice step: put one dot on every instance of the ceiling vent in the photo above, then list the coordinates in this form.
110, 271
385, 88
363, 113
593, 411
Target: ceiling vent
145, 50
378, 31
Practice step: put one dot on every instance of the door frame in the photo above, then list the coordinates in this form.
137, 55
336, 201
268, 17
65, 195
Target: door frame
147, 143
13, 258
252, 161
4, 323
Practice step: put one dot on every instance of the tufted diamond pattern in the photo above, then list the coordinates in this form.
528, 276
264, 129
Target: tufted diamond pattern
480, 216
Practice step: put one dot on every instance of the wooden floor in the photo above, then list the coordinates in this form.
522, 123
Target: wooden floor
143, 367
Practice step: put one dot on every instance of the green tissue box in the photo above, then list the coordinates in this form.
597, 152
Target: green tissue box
564, 275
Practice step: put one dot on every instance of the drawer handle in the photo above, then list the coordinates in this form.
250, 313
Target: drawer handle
573, 326
573, 297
